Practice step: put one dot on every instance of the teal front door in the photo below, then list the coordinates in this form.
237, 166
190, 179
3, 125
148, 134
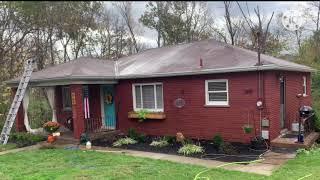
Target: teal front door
109, 106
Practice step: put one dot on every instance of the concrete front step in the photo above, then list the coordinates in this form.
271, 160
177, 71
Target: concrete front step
281, 142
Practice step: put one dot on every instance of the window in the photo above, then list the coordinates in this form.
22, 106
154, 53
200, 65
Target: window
147, 96
217, 92
304, 85
66, 98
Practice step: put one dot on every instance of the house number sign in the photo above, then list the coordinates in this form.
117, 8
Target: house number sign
73, 98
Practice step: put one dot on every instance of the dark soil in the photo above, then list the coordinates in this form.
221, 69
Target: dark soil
242, 152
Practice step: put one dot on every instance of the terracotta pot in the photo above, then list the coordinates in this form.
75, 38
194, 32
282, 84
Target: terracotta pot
51, 139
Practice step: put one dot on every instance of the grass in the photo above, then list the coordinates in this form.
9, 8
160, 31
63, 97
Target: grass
7, 147
77, 164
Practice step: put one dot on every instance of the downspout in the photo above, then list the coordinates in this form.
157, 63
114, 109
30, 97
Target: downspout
260, 97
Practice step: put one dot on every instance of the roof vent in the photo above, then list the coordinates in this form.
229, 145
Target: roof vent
201, 63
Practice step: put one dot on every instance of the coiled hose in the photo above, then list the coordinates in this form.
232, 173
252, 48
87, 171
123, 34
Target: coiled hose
259, 159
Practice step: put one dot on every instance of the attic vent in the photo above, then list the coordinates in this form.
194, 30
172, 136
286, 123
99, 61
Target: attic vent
179, 103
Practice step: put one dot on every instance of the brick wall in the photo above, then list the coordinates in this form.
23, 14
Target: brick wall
195, 120
294, 83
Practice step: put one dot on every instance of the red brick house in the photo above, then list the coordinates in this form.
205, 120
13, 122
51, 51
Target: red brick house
199, 89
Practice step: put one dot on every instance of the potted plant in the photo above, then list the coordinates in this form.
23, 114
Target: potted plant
247, 128
51, 127
142, 115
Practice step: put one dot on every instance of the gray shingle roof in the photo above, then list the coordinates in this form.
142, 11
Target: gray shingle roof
183, 59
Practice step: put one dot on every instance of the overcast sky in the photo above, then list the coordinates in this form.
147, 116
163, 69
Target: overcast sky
217, 9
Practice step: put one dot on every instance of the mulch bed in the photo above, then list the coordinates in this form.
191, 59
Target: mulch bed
244, 153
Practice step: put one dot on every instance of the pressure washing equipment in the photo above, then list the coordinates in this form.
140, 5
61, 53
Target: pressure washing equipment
304, 112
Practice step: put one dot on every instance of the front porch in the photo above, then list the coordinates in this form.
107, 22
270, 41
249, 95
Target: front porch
85, 108
79, 108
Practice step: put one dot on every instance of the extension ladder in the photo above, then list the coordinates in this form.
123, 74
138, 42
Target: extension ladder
16, 102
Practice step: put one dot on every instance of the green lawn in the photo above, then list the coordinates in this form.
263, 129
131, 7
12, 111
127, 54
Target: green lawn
7, 147
77, 164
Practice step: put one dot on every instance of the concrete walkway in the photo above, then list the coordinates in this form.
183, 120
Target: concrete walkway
272, 160
33, 147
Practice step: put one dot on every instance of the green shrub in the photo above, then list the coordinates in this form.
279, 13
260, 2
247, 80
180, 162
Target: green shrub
124, 141
25, 139
317, 122
187, 141
189, 149
170, 139
132, 133
39, 111
217, 141
160, 143
314, 149
5, 101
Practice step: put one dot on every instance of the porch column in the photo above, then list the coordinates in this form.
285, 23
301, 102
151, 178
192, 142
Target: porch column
20, 127
77, 110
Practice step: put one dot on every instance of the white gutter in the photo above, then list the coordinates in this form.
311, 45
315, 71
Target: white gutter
215, 71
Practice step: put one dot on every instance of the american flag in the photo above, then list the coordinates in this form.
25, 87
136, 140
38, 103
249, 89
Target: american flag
86, 102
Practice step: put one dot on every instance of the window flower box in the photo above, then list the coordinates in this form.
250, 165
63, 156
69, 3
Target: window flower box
150, 115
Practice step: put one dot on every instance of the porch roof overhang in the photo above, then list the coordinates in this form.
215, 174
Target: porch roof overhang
64, 81
84, 70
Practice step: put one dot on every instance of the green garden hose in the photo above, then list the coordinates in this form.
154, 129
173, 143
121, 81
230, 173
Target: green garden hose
305, 176
241, 162
260, 159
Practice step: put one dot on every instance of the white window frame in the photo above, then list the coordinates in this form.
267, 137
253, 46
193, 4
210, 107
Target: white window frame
304, 85
63, 100
216, 103
156, 109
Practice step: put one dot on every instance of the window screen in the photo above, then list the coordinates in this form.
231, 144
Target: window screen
217, 92
148, 96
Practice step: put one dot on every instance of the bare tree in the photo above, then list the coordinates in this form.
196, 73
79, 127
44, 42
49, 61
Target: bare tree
316, 18
259, 31
125, 9
230, 27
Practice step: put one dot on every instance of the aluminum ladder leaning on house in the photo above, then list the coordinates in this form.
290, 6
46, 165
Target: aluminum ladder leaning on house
28, 69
